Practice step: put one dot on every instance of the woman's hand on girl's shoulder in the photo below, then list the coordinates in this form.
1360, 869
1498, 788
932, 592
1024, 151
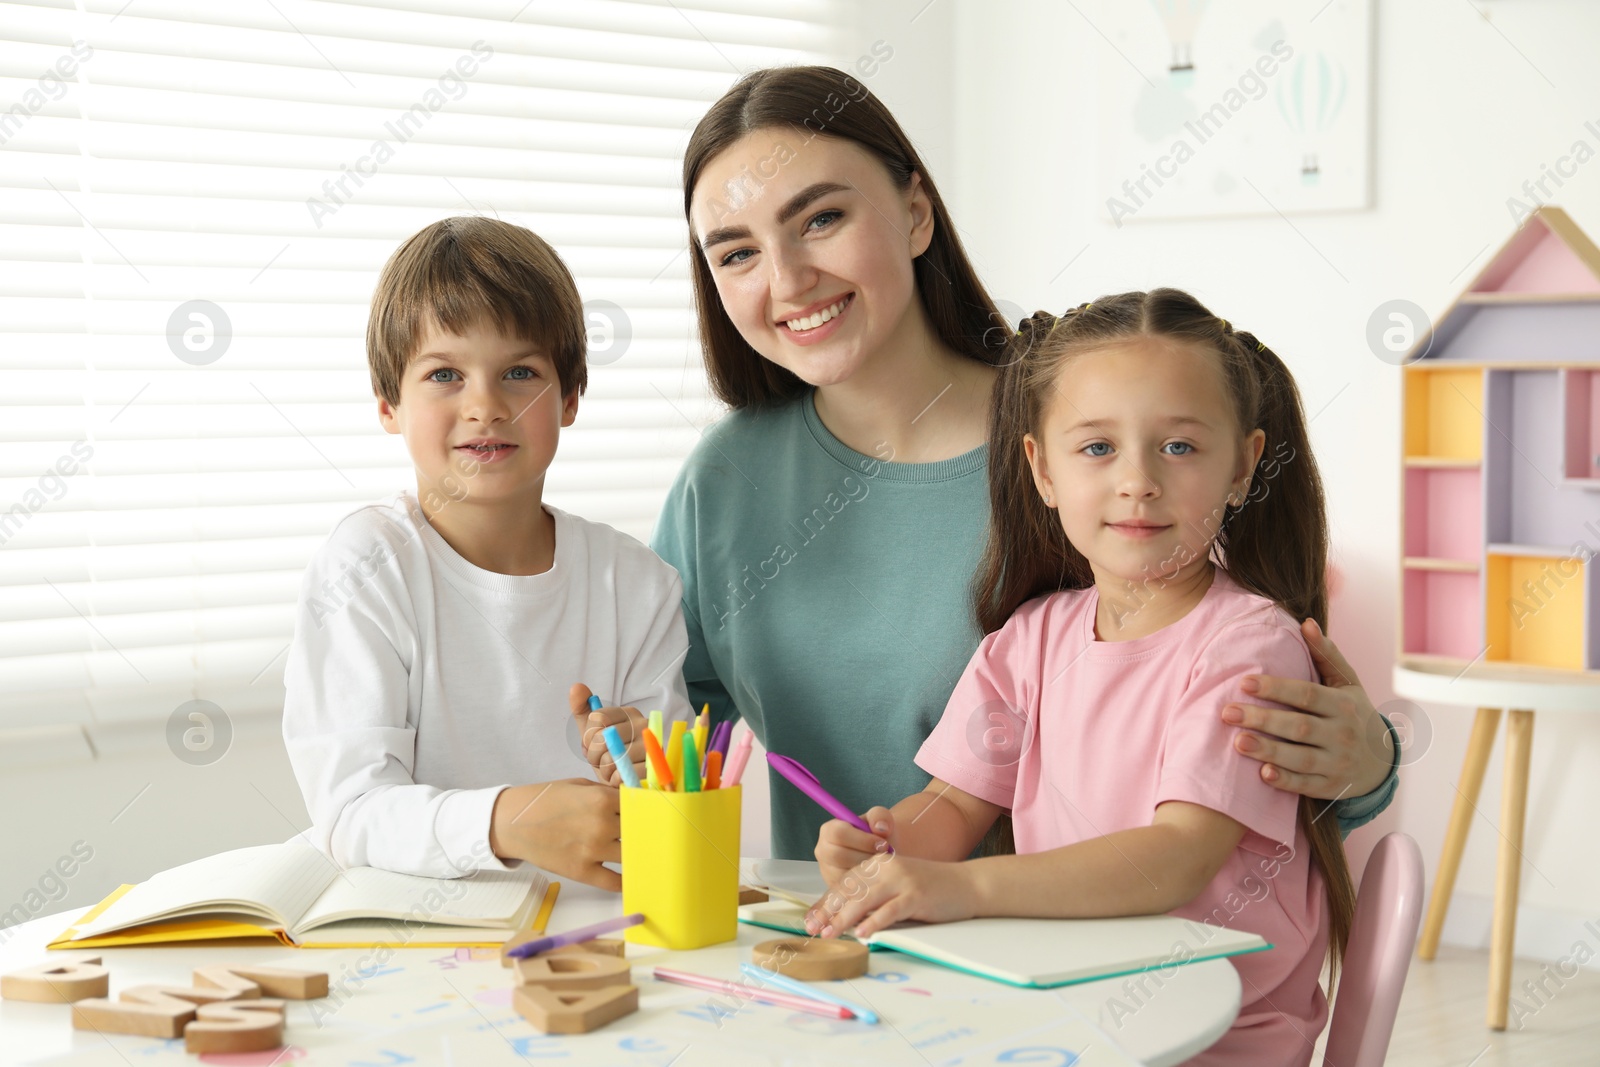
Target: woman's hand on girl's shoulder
887, 889
1334, 744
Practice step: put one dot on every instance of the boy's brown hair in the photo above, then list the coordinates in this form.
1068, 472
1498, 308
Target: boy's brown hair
467, 270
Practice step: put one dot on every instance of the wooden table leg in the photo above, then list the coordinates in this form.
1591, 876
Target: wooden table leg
1455, 838
1508, 872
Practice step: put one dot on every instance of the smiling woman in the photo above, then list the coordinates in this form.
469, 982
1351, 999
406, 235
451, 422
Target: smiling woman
842, 322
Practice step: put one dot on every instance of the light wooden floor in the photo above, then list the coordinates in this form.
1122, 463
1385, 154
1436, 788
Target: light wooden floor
1441, 1021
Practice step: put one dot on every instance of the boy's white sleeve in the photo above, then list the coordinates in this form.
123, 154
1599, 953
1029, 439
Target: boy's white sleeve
349, 738
654, 679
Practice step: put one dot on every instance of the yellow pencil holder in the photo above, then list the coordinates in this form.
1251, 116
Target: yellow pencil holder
680, 866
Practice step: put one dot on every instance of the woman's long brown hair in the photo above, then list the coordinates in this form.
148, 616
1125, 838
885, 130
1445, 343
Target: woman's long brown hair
1274, 543
826, 102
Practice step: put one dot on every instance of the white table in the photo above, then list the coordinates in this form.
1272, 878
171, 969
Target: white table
452, 1006
1491, 688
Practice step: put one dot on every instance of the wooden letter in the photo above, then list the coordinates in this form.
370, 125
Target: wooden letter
236, 1026
57, 983
566, 971
248, 981
553, 1011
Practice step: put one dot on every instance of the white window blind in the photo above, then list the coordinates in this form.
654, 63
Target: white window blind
158, 501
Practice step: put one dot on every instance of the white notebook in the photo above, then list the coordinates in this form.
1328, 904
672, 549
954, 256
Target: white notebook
296, 888
1040, 953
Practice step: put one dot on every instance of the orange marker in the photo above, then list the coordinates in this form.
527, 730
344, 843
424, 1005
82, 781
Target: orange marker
658, 760
713, 770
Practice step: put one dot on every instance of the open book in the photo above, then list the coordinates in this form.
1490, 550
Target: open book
1041, 953
288, 891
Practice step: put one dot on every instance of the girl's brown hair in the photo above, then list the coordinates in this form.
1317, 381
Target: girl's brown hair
824, 101
1273, 543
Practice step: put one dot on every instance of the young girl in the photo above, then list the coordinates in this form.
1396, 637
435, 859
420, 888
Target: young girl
1156, 529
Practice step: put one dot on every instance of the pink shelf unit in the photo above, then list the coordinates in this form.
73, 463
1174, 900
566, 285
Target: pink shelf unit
1444, 514
1580, 427
1443, 613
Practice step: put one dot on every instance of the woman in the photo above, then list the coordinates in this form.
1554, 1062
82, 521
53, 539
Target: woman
828, 529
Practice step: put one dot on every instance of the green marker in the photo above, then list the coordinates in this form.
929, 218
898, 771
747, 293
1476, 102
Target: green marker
691, 764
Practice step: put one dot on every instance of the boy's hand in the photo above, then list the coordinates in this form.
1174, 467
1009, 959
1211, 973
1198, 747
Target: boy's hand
841, 846
568, 827
889, 889
630, 726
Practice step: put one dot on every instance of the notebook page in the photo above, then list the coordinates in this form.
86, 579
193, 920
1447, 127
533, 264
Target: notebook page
1056, 951
273, 882
483, 898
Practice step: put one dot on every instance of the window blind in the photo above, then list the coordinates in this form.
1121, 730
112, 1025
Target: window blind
195, 201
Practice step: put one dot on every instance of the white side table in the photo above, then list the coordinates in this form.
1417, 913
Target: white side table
1491, 689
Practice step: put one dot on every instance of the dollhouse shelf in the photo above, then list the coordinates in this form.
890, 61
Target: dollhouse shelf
1500, 469
1500, 527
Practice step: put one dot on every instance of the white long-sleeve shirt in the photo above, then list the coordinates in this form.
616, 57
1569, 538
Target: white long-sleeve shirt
419, 685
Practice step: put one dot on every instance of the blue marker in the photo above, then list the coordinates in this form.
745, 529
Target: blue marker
594, 703
619, 753
761, 974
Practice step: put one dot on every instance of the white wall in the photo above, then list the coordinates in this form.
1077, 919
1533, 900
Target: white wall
1001, 99
1461, 121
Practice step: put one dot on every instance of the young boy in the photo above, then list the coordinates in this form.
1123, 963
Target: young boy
445, 640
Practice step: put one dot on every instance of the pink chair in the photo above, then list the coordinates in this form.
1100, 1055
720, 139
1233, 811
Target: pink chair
1382, 936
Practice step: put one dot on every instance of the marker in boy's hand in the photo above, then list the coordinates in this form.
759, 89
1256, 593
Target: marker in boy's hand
629, 723
841, 846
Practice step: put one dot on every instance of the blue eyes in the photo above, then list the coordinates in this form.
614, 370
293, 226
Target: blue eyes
820, 221
433, 376
1089, 448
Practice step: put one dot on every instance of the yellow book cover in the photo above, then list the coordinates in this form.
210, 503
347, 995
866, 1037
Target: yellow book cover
296, 895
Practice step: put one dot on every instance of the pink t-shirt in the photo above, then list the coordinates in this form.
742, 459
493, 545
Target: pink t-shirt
1080, 737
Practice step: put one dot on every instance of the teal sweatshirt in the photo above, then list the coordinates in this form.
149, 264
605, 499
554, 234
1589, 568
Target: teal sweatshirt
827, 595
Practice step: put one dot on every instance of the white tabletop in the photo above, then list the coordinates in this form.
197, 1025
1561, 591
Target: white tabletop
453, 1006
1484, 685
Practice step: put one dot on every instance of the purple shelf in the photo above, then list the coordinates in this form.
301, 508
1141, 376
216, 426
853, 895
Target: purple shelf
1528, 500
1524, 333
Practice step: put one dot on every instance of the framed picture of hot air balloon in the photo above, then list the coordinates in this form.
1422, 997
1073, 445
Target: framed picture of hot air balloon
1234, 107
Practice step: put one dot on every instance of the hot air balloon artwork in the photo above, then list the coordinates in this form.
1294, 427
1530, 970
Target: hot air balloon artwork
1311, 97
1233, 108
1180, 17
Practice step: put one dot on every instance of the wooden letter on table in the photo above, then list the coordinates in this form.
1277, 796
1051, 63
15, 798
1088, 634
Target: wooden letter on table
57, 983
236, 1026
554, 1011
574, 970
247, 980
145, 1011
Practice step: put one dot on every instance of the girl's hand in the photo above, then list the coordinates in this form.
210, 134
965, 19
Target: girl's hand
630, 726
841, 846
889, 889
1334, 745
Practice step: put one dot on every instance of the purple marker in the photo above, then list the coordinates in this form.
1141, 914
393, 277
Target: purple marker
807, 783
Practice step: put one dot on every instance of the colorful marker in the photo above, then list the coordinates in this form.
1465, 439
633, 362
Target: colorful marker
741, 756
660, 770
713, 770
778, 981
573, 937
674, 748
691, 766
655, 727
619, 754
